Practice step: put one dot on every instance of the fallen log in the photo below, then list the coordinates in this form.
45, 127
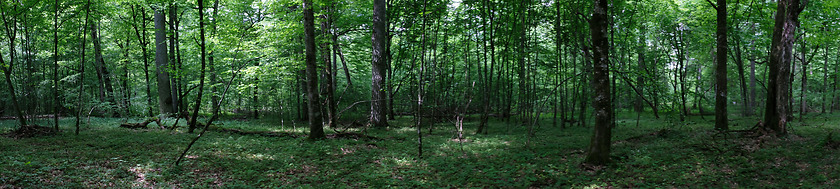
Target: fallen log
143, 125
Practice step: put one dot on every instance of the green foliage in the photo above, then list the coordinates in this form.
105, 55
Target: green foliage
652, 155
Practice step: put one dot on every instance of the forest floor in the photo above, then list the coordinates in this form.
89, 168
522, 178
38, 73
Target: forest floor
656, 153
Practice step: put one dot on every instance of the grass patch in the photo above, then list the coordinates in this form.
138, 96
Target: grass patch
656, 153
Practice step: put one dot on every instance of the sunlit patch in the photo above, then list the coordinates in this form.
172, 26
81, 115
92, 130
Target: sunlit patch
346, 151
141, 173
259, 157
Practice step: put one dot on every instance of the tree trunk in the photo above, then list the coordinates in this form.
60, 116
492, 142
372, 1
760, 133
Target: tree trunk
803, 108
144, 43
777, 109
316, 128
173, 61
721, 118
751, 100
642, 70
329, 81
203, 46
164, 89
214, 88
82, 69
378, 75
599, 147
56, 98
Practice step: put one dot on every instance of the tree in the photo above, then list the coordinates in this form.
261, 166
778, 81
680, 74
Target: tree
777, 109
9, 21
721, 119
140, 25
165, 102
599, 147
379, 38
316, 128
203, 46
105, 88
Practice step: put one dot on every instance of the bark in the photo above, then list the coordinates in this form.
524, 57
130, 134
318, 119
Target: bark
751, 102
106, 90
214, 90
329, 75
721, 118
316, 128
777, 107
203, 46
82, 69
173, 61
825, 103
165, 102
488, 83
56, 98
599, 147
739, 62
523, 91
378, 75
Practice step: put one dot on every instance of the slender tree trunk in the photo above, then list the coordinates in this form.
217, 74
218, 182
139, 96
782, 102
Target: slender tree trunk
642, 69
316, 128
803, 108
56, 98
721, 117
173, 61
203, 46
777, 109
126, 92
751, 100
10, 25
214, 89
825, 103
329, 81
144, 43
488, 83
599, 147
82, 69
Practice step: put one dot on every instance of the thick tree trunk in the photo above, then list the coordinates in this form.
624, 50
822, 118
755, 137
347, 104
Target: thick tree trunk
165, 102
378, 75
316, 128
777, 109
599, 147
721, 118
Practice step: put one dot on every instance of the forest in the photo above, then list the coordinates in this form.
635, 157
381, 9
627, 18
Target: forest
419, 94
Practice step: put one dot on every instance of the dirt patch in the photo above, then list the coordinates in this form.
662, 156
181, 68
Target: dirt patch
30, 131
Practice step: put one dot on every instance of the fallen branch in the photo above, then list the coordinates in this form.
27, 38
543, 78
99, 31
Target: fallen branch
143, 125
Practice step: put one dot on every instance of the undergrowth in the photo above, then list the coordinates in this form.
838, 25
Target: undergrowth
656, 153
